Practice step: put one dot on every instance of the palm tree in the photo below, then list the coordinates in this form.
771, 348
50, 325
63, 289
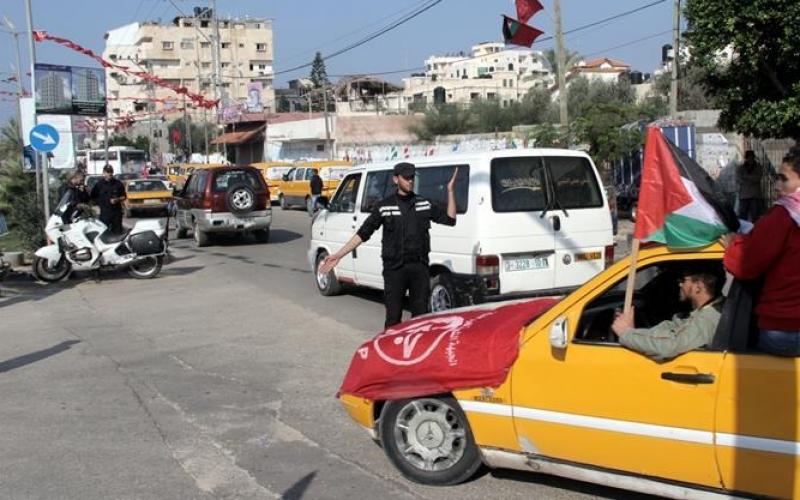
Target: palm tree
571, 57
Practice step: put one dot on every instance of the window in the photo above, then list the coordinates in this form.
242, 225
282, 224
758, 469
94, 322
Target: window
261, 47
205, 45
299, 174
225, 45
518, 184
309, 174
345, 198
574, 181
167, 45
224, 180
474, 96
656, 299
320, 147
491, 95
511, 66
205, 65
225, 65
241, 45
379, 186
431, 182
187, 43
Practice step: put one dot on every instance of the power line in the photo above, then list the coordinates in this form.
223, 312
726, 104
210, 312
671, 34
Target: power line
626, 44
358, 30
369, 38
601, 21
406, 70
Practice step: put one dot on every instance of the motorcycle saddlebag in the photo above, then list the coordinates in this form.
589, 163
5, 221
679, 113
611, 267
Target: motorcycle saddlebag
146, 243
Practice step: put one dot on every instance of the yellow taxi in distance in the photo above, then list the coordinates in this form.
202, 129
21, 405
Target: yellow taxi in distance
146, 195
717, 421
178, 174
295, 186
273, 172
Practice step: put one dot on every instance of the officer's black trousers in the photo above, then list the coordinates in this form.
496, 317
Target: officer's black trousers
412, 277
112, 219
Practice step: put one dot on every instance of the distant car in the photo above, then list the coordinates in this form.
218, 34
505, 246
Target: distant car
627, 201
146, 195
126, 176
219, 200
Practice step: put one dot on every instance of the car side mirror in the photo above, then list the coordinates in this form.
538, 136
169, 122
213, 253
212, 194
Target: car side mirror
558, 333
323, 202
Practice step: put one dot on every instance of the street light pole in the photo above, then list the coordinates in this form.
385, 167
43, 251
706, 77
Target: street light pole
676, 41
560, 68
41, 159
13, 32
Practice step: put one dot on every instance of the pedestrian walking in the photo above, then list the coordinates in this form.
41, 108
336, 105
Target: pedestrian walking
405, 217
772, 250
751, 198
316, 192
109, 193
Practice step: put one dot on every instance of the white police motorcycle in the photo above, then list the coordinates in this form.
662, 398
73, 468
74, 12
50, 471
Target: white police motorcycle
80, 242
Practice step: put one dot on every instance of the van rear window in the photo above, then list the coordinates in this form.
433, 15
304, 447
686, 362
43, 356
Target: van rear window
224, 180
518, 184
574, 181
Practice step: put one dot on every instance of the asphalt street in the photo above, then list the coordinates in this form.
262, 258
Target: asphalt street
215, 380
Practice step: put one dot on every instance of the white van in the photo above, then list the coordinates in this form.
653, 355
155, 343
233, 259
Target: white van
529, 221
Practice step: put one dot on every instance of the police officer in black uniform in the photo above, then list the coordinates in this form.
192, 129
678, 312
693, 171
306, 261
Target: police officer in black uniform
406, 219
109, 193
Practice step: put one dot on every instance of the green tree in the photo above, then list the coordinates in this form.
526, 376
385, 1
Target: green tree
18, 190
758, 87
444, 119
140, 142
570, 57
319, 75
691, 93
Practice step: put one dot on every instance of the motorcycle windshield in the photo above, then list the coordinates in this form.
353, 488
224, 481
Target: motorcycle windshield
67, 201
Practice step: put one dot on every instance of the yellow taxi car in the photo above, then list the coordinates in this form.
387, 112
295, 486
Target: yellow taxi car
273, 172
295, 186
178, 174
146, 195
719, 421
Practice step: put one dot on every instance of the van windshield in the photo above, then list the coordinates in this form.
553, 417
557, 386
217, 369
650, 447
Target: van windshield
333, 174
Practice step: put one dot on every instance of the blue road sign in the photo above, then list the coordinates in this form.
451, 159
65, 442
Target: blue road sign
44, 138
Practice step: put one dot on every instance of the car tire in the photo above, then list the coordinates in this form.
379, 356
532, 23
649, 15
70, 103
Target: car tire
442, 293
182, 232
282, 202
327, 284
200, 237
241, 199
262, 235
633, 213
446, 455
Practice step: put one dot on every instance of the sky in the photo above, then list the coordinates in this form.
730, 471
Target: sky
302, 27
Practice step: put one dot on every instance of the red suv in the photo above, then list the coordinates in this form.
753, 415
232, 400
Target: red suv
233, 199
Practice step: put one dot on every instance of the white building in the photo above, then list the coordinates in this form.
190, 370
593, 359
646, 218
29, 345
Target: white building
604, 69
492, 72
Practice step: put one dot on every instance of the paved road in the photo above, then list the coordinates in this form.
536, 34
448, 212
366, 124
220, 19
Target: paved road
215, 380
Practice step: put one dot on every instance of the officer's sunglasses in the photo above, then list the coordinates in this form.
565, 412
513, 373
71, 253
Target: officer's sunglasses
408, 177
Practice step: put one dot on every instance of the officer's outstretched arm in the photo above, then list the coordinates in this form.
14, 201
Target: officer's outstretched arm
451, 195
331, 260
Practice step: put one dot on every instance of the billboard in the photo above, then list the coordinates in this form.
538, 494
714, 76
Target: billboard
254, 91
70, 90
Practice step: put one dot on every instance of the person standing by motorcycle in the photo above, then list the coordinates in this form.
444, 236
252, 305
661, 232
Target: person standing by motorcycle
109, 193
75, 189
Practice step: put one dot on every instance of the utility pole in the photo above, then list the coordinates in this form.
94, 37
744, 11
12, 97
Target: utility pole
560, 68
188, 129
327, 127
676, 41
41, 160
199, 90
217, 66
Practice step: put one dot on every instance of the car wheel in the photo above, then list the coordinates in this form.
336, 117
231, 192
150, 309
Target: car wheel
443, 293
200, 236
146, 268
633, 213
429, 440
182, 232
44, 270
241, 199
262, 235
327, 284
282, 202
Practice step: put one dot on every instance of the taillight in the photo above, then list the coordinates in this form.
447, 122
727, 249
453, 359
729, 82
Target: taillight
208, 202
487, 265
609, 255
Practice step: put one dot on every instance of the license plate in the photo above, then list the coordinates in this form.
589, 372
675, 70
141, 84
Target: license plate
151, 202
525, 263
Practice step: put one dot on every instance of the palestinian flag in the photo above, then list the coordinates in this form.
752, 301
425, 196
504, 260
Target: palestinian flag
679, 203
517, 33
526, 9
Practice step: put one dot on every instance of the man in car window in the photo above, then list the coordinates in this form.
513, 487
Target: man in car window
680, 334
405, 217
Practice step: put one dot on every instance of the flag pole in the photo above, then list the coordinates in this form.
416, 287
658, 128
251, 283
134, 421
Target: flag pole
631, 276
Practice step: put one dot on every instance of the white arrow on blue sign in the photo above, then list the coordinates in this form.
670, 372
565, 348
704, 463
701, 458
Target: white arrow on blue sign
44, 138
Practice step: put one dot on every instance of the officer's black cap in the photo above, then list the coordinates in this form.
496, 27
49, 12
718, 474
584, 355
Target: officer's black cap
404, 169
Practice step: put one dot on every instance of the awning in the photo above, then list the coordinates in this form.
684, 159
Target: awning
239, 137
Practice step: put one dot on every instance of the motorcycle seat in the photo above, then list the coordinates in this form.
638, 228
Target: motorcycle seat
108, 237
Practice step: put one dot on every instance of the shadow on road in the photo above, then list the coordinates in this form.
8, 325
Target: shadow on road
27, 359
298, 489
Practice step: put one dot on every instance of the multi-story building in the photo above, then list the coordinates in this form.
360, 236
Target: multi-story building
492, 72
53, 92
87, 86
182, 53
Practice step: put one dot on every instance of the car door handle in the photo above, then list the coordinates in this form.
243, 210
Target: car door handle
689, 378
556, 223
355, 217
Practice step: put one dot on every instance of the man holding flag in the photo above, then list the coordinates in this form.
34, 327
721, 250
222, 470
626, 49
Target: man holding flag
681, 207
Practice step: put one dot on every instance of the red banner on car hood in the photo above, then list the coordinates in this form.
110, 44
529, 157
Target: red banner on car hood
439, 353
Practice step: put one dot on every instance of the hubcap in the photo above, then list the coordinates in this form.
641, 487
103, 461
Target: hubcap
322, 278
440, 299
430, 435
242, 199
